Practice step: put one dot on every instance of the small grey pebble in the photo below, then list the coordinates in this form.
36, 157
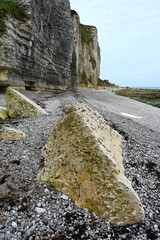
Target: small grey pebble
123, 236
147, 223
156, 227
71, 229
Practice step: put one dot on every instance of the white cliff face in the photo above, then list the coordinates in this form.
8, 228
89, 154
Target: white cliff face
86, 52
75, 51
36, 53
49, 50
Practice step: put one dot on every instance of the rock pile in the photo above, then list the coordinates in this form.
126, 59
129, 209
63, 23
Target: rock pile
83, 158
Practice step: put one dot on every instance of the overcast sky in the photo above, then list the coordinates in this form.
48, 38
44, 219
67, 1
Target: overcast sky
129, 38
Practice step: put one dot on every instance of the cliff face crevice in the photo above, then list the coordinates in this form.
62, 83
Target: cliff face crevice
46, 52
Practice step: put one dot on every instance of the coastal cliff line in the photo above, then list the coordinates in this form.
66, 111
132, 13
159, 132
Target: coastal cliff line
48, 49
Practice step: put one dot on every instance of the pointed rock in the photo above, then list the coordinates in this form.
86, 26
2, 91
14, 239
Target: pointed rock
11, 134
83, 159
19, 106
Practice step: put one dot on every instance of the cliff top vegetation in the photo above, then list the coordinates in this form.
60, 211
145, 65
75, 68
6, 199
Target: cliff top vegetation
13, 8
106, 83
86, 34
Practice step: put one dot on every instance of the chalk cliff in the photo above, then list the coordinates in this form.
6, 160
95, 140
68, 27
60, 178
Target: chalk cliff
37, 53
49, 50
86, 53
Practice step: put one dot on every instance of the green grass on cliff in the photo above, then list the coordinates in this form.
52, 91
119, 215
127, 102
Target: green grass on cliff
13, 8
86, 35
2, 26
106, 83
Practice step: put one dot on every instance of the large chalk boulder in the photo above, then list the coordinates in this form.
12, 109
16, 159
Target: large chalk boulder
19, 106
83, 158
11, 134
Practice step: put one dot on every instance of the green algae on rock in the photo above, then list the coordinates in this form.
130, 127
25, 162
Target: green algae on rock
11, 134
3, 112
19, 106
83, 159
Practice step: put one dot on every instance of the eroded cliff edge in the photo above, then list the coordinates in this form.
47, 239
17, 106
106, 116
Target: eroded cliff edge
50, 50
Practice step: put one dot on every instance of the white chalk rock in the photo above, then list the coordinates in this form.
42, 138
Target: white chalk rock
19, 106
83, 158
11, 134
40, 210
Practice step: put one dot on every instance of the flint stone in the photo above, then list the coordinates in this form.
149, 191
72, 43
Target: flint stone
83, 158
11, 134
40, 210
14, 224
19, 106
3, 112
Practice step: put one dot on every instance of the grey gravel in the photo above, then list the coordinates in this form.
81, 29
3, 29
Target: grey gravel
21, 160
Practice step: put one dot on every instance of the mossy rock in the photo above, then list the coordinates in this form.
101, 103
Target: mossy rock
11, 134
19, 106
83, 159
3, 112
